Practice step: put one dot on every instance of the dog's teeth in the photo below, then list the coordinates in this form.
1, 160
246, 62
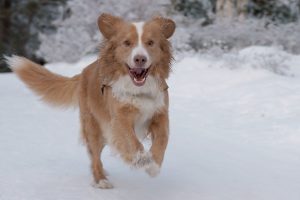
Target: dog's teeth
139, 81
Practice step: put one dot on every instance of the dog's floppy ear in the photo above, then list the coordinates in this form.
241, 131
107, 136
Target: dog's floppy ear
108, 24
167, 26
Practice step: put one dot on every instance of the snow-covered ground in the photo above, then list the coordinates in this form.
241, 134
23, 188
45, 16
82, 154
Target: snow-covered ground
235, 135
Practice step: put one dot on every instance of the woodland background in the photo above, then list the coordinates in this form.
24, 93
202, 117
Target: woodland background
234, 102
66, 30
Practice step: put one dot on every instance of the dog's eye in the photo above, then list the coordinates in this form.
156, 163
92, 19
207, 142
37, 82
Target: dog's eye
150, 43
127, 43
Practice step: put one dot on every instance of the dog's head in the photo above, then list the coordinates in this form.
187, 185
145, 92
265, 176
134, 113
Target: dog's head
139, 49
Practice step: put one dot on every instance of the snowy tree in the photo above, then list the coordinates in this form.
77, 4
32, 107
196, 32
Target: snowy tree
195, 9
20, 23
75, 35
197, 27
282, 11
231, 9
78, 35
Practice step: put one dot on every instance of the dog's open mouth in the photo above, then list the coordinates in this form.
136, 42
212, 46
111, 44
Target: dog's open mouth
138, 75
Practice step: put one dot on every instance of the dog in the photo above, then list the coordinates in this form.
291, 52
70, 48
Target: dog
122, 96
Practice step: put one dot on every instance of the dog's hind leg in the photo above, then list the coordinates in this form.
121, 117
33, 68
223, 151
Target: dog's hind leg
95, 144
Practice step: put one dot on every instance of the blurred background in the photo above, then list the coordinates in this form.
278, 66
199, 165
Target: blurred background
66, 30
234, 101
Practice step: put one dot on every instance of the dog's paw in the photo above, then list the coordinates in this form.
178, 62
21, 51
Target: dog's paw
103, 184
142, 159
152, 169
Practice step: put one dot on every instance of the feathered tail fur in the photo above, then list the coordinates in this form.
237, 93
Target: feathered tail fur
54, 89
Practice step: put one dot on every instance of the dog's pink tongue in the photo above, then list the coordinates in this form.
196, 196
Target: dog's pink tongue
138, 76
138, 70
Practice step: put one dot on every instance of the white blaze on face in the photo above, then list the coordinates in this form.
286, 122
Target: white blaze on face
139, 49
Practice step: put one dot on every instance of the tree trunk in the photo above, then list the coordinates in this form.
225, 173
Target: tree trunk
231, 9
5, 15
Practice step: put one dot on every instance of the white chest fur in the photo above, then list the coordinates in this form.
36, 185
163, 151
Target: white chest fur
148, 99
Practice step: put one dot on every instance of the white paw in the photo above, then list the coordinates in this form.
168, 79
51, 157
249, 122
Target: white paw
152, 169
145, 161
142, 159
103, 184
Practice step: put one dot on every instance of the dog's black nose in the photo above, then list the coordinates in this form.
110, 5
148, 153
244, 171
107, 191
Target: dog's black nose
140, 60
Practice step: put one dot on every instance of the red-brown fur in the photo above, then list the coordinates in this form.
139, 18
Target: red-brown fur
91, 90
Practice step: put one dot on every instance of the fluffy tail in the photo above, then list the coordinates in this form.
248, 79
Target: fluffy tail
54, 89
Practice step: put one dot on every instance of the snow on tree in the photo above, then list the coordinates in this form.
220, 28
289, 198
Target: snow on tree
78, 35
199, 27
20, 24
75, 35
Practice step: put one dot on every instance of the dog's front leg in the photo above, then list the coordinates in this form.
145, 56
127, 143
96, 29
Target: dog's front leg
125, 141
159, 129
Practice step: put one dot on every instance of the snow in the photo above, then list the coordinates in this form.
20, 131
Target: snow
235, 134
